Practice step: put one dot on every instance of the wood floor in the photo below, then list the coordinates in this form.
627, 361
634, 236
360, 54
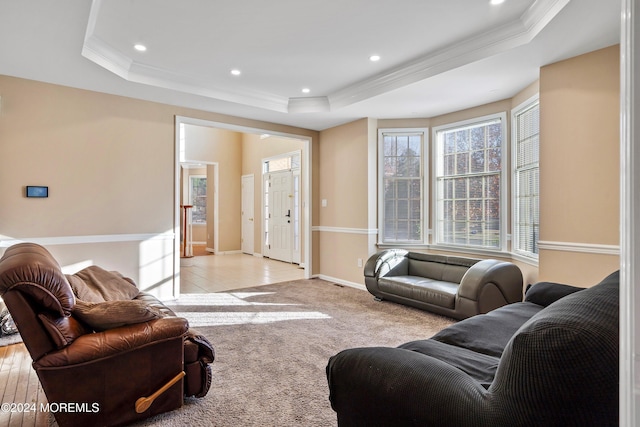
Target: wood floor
22, 395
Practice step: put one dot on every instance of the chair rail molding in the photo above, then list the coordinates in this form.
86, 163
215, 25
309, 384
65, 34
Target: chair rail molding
5, 242
347, 230
590, 248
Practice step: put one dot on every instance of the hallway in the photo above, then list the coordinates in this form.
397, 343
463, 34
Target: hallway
217, 273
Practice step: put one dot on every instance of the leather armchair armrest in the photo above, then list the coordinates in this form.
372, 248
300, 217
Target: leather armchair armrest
505, 276
115, 341
381, 263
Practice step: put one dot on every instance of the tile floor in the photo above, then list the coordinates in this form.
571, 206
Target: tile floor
216, 273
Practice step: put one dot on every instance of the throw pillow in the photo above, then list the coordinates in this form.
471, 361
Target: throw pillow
113, 314
546, 293
95, 284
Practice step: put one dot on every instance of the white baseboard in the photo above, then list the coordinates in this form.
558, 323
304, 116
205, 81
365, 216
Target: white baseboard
228, 252
341, 282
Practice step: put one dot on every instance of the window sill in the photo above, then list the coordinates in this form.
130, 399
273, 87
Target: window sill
462, 251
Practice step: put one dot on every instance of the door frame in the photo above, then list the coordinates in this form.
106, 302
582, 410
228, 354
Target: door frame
295, 174
212, 178
244, 178
267, 231
307, 207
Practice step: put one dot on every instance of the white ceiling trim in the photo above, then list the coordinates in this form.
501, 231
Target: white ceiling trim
501, 39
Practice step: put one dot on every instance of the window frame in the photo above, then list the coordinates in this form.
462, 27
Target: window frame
191, 197
515, 112
424, 186
503, 179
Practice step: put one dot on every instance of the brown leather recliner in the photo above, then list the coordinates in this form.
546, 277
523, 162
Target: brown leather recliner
107, 378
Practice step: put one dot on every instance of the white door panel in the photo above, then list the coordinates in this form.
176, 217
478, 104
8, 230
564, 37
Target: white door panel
280, 205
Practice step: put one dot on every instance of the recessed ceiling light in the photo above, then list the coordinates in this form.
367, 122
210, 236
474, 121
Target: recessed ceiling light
140, 47
236, 72
306, 90
495, 2
374, 58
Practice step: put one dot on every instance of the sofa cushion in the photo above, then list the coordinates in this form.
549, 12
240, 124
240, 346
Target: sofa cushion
564, 360
439, 267
478, 366
546, 293
94, 284
488, 333
421, 289
112, 314
428, 269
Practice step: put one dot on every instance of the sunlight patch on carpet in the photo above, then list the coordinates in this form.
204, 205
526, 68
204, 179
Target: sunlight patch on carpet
199, 319
222, 299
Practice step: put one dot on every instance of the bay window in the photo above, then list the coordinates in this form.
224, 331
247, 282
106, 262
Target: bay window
402, 185
469, 188
526, 181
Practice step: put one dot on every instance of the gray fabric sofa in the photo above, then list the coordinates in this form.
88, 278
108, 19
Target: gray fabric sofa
452, 286
551, 360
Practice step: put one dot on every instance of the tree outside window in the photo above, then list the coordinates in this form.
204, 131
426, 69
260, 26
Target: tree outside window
402, 160
198, 198
469, 184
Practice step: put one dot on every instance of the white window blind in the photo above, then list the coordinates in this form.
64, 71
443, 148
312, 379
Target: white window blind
526, 224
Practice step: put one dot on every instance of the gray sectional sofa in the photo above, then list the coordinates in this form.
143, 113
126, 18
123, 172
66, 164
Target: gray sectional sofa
551, 360
451, 286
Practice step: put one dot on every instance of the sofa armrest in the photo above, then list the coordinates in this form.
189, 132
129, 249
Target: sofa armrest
381, 263
546, 293
99, 345
505, 276
391, 386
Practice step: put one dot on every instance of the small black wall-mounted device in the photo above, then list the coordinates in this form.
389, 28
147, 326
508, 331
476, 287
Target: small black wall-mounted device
37, 191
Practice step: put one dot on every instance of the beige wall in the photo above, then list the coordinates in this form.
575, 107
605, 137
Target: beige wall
579, 167
109, 162
345, 183
579, 114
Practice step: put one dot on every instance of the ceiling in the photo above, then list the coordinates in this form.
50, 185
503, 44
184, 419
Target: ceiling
436, 56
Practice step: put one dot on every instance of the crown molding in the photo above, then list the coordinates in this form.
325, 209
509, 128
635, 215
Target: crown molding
101, 53
467, 51
480, 46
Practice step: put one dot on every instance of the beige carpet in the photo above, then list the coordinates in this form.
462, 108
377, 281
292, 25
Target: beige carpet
272, 346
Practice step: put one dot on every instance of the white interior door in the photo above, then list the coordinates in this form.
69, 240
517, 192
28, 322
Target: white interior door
280, 216
248, 222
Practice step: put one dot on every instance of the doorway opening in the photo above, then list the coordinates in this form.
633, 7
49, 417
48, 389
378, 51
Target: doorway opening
229, 230
199, 204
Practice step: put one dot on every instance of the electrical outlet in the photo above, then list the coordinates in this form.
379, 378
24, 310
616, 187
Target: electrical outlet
359, 262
